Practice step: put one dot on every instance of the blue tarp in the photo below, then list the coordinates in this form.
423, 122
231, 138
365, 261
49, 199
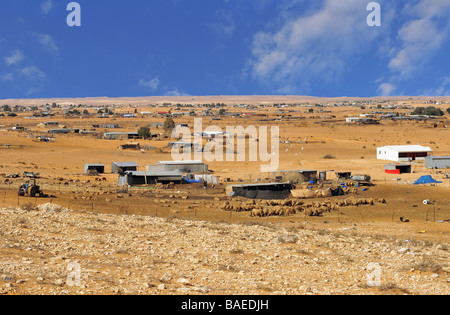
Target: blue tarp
426, 180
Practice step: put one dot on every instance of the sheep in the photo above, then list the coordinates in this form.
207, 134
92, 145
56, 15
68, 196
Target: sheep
256, 213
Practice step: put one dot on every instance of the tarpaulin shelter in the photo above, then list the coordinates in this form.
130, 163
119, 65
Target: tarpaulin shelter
427, 179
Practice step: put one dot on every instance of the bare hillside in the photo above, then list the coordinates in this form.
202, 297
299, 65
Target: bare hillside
53, 250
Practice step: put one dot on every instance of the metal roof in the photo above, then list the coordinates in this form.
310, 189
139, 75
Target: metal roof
407, 148
260, 185
297, 171
180, 162
122, 164
150, 174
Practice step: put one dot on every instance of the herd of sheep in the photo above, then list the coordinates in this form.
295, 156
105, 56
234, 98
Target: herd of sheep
265, 208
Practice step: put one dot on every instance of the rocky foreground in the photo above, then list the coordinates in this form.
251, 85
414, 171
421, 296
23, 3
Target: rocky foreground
53, 250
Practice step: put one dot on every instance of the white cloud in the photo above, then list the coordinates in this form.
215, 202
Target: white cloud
420, 40
152, 84
226, 24
316, 47
46, 6
47, 42
442, 90
33, 73
386, 89
422, 36
32, 79
15, 58
176, 93
7, 77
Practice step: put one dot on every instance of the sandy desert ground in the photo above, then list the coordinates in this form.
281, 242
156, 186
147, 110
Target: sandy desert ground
32, 258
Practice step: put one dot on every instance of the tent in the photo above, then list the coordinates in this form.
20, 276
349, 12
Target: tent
337, 191
426, 180
265, 191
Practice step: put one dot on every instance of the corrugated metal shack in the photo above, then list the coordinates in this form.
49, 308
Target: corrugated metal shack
437, 162
179, 166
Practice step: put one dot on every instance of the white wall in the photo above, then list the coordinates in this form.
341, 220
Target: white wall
384, 153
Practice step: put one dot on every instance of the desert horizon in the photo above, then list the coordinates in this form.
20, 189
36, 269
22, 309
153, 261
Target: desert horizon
188, 99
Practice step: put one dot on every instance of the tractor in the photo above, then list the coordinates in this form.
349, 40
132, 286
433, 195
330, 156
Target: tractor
30, 188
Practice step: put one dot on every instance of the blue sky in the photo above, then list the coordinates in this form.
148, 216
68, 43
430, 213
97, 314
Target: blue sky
224, 47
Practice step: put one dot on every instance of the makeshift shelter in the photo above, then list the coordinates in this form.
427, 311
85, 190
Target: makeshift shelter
343, 175
337, 191
437, 162
90, 168
120, 135
265, 191
130, 146
427, 179
149, 178
122, 167
179, 166
397, 168
295, 176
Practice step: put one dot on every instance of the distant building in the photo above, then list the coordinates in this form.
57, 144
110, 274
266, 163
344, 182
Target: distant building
49, 123
352, 119
403, 153
362, 120
120, 135
64, 131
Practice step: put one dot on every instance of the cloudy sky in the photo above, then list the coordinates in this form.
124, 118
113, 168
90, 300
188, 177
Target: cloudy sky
224, 47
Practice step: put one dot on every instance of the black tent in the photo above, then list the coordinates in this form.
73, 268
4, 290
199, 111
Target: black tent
263, 191
337, 191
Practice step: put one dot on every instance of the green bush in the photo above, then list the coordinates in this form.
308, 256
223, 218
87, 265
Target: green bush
144, 132
429, 111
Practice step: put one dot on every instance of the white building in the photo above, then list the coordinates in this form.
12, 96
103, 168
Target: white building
352, 119
403, 153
